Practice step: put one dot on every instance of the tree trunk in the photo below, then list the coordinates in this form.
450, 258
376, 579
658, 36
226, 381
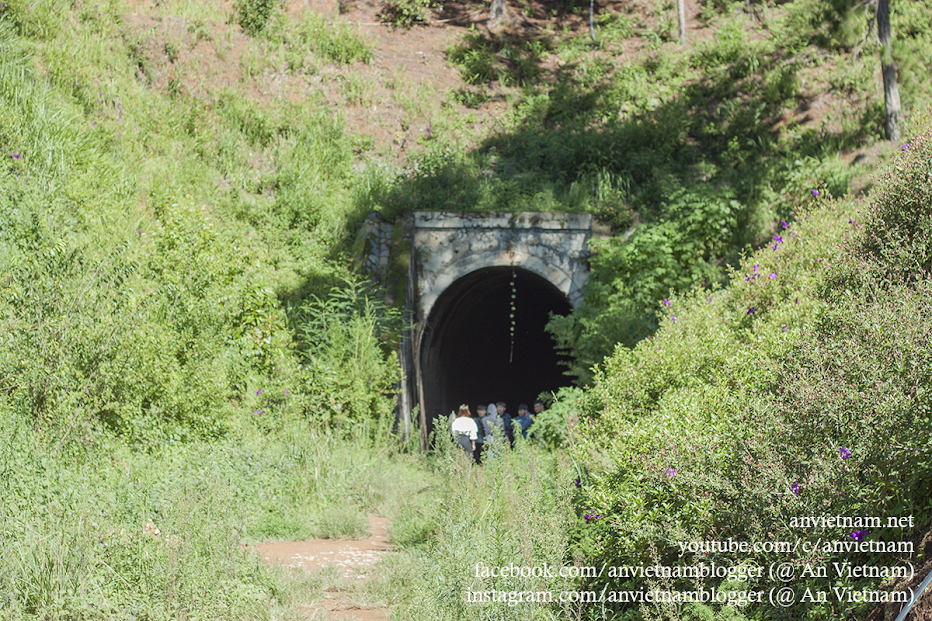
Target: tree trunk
497, 14
891, 94
681, 16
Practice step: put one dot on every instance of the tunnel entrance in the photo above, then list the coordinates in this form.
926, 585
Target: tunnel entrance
466, 349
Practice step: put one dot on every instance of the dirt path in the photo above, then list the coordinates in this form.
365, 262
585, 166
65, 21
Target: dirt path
354, 559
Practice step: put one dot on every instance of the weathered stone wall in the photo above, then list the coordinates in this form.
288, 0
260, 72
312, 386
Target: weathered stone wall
448, 246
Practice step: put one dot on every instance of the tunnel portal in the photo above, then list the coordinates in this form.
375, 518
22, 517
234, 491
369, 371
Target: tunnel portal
451, 273
467, 354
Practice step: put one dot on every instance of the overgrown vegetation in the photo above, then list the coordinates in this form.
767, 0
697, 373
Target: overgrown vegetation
701, 143
188, 364
797, 391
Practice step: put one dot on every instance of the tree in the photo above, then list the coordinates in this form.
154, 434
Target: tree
891, 94
497, 14
681, 16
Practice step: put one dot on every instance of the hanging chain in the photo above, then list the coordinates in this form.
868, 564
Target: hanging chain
514, 295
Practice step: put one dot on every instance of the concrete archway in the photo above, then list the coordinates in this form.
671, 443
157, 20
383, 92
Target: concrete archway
449, 268
466, 351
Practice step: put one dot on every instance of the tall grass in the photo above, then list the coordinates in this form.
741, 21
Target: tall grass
514, 509
99, 530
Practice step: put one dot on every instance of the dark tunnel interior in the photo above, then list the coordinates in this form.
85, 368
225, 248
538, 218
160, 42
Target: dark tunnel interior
466, 351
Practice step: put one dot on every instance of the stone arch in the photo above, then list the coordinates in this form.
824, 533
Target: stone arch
531, 259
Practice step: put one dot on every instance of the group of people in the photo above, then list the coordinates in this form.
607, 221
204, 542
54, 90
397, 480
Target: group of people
475, 434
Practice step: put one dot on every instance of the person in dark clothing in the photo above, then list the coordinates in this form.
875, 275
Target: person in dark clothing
506, 419
480, 437
524, 419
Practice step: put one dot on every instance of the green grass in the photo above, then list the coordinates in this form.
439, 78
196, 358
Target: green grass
97, 529
173, 350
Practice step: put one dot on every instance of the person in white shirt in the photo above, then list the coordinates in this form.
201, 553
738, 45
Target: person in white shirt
465, 431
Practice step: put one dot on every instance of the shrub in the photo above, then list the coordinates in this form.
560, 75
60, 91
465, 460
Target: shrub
406, 13
796, 391
253, 15
551, 428
899, 222
351, 361
336, 42
629, 276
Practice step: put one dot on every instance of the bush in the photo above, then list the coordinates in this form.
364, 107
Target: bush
406, 13
551, 428
898, 226
629, 276
796, 391
351, 360
253, 15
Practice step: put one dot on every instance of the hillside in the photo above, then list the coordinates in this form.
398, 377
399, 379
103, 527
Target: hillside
189, 363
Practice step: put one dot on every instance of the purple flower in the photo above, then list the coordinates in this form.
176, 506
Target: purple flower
778, 238
592, 515
858, 535
16, 156
578, 483
815, 192
752, 310
258, 392
666, 302
287, 392
773, 275
756, 266
795, 488
844, 452
850, 221
784, 328
783, 222
672, 317
903, 148
671, 472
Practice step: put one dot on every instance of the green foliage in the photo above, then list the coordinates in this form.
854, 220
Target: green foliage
253, 15
509, 59
551, 428
469, 97
628, 276
336, 42
151, 309
776, 397
406, 13
473, 59
899, 223
38, 20
513, 509
351, 359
